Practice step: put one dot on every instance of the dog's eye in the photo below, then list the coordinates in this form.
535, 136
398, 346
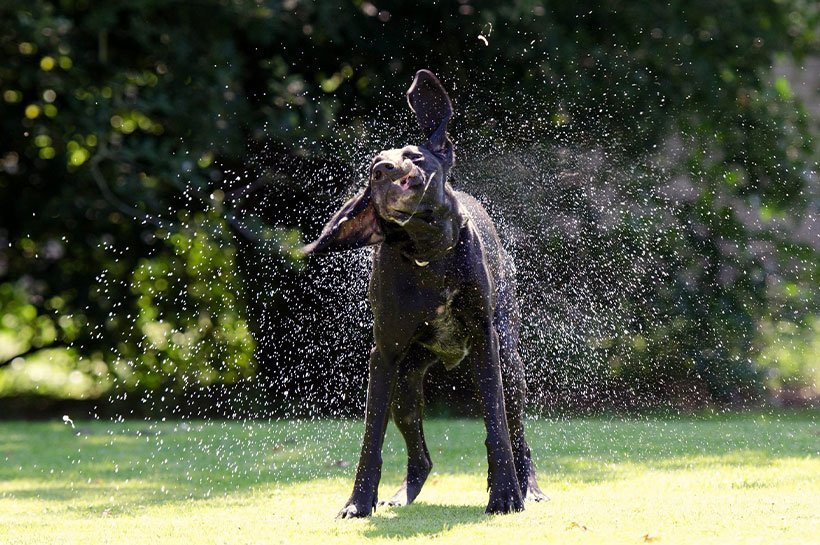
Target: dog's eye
413, 156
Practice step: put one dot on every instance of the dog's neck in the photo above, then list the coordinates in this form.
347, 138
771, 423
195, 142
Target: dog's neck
427, 238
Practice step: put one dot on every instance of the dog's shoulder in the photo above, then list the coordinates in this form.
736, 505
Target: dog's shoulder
476, 213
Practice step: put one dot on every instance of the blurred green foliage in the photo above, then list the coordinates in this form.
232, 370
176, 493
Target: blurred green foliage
206, 343
122, 125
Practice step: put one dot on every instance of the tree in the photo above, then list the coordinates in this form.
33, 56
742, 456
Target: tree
149, 147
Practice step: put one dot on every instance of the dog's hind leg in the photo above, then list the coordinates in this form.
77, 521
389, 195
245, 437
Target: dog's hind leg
514, 399
515, 395
408, 409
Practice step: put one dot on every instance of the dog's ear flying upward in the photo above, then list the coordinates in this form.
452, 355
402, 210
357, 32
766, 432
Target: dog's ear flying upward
433, 109
354, 225
357, 223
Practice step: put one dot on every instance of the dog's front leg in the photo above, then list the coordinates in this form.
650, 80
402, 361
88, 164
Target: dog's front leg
381, 382
505, 492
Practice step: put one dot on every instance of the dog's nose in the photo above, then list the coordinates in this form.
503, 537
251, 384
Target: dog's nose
384, 168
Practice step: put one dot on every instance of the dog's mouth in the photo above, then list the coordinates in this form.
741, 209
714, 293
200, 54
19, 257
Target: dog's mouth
413, 179
402, 214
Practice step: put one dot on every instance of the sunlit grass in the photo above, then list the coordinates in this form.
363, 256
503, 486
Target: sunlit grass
751, 478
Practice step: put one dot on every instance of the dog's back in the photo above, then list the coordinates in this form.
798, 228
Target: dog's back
498, 261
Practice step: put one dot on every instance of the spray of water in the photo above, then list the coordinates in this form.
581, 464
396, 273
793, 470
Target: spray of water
592, 229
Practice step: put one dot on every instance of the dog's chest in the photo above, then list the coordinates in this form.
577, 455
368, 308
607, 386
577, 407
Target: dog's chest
444, 334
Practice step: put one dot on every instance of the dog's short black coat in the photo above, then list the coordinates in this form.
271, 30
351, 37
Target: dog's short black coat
442, 288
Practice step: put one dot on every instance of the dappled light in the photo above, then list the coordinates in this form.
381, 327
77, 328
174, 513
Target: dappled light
616, 478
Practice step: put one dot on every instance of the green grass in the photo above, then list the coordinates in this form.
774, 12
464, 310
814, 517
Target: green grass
752, 478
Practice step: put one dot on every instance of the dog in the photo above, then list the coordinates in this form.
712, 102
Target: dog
442, 289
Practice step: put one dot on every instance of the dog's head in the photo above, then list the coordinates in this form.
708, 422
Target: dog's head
407, 186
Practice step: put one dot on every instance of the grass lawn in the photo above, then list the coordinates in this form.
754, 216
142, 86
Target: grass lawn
751, 478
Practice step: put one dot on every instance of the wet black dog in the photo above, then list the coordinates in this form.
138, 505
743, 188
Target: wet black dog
442, 288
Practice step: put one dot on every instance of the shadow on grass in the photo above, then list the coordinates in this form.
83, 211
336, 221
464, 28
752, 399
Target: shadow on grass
424, 519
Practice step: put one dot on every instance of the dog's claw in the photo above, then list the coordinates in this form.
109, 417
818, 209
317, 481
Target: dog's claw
349, 512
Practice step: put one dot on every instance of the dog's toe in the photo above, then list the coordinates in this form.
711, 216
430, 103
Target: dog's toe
399, 498
351, 511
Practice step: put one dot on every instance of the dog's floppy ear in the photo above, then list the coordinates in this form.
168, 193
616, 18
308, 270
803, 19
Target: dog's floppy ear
433, 109
354, 225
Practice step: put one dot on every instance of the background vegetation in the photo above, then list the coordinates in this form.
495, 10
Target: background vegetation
158, 161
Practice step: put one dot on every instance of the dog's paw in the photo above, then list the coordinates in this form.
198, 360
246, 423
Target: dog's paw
352, 511
399, 499
533, 491
410, 488
394, 502
356, 509
505, 501
536, 495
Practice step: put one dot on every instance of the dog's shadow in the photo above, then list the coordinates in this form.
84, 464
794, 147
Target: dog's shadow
423, 519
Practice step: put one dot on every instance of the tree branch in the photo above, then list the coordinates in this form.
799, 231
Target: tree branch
113, 200
32, 350
161, 223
